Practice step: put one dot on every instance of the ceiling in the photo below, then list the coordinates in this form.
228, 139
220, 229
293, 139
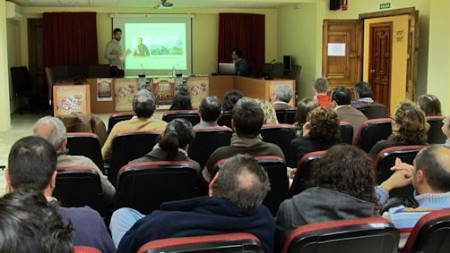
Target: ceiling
151, 3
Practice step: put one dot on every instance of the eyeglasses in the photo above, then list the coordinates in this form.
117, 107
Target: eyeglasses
392, 117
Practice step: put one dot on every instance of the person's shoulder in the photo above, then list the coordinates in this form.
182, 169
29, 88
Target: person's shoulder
85, 211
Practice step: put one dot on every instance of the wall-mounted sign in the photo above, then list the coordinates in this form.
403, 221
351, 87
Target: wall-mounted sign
336, 49
385, 6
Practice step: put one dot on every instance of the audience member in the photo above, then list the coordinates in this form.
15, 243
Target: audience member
341, 98
320, 132
363, 94
181, 101
446, 130
282, 96
342, 187
28, 223
321, 89
173, 144
144, 105
209, 111
430, 176
247, 120
303, 108
53, 130
234, 204
429, 104
230, 98
409, 127
240, 64
270, 115
32, 168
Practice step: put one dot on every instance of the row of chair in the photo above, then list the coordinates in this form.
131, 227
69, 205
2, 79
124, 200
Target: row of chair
144, 186
431, 234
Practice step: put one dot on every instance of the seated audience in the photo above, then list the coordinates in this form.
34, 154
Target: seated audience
321, 89
429, 104
230, 98
282, 96
303, 108
32, 168
363, 94
342, 187
144, 105
234, 204
53, 130
247, 120
28, 223
210, 110
270, 115
320, 132
173, 144
430, 176
409, 127
341, 98
181, 101
446, 130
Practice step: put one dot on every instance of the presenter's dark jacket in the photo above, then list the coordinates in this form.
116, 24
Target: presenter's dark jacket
200, 216
242, 67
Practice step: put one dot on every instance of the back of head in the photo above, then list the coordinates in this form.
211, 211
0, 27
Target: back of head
347, 169
342, 96
324, 123
434, 161
412, 123
31, 164
52, 129
270, 115
248, 117
363, 89
210, 109
178, 134
230, 98
181, 101
321, 85
430, 104
28, 223
242, 181
303, 108
144, 103
284, 92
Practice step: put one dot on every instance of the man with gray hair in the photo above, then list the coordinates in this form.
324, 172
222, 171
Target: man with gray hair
209, 111
53, 130
144, 105
321, 88
234, 204
282, 96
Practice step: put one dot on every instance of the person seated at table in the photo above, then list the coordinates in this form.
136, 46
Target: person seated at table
173, 144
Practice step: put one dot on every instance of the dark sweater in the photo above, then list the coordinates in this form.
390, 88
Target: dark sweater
199, 216
304, 145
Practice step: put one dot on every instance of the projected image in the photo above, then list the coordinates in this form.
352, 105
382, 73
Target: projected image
141, 48
167, 46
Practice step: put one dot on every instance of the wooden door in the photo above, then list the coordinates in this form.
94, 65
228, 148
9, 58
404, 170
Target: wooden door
342, 52
380, 61
36, 58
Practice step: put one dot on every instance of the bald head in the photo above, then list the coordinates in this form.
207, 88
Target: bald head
51, 129
434, 161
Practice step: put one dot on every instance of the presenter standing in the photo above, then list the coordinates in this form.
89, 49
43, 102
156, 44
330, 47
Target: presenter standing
115, 55
241, 65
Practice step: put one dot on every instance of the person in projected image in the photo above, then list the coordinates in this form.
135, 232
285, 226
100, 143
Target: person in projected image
141, 49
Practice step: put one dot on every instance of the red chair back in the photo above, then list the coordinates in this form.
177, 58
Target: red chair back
303, 173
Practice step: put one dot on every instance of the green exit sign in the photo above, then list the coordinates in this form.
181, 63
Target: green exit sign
385, 6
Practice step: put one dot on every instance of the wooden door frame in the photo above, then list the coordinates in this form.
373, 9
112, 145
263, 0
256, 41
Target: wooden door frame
413, 44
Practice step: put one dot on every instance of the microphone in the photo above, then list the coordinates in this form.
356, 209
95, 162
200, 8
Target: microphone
180, 74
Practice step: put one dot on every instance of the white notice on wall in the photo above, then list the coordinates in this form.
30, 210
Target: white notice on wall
336, 49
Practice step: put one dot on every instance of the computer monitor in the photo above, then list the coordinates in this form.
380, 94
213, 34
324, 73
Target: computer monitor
227, 68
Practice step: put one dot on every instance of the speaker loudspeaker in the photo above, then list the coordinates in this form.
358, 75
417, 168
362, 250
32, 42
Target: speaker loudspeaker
335, 5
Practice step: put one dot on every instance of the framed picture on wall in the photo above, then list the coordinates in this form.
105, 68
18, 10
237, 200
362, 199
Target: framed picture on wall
71, 98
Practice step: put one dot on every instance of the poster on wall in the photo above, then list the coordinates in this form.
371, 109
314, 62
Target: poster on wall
198, 90
124, 90
104, 89
71, 98
163, 89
